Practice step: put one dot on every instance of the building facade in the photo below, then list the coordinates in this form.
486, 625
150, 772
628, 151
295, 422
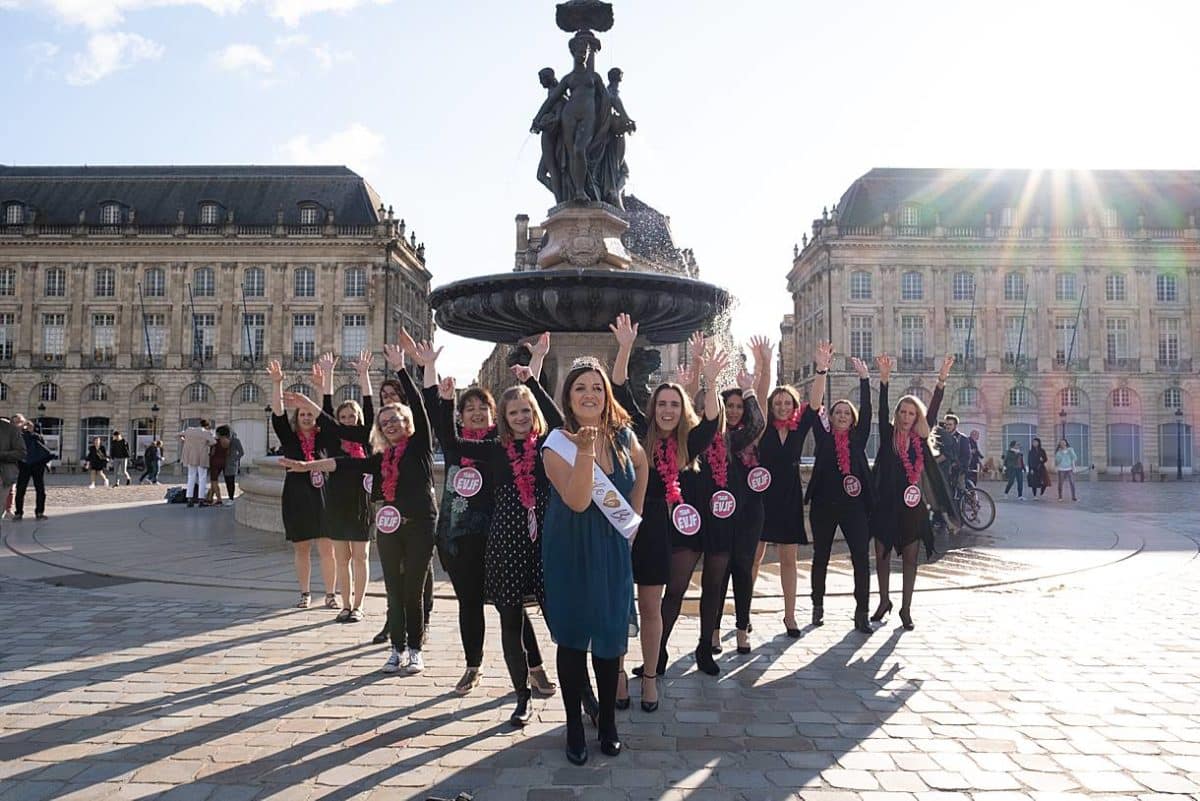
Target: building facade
1071, 299
142, 299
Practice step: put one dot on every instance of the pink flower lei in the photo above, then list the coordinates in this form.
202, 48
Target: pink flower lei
390, 469
841, 443
522, 467
475, 434
717, 455
353, 449
792, 422
308, 442
911, 471
666, 462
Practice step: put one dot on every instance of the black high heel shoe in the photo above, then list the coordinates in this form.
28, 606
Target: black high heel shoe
744, 649
610, 743
648, 706
792, 631
704, 660
623, 703
861, 624
883, 611
818, 616
906, 619
576, 755
661, 667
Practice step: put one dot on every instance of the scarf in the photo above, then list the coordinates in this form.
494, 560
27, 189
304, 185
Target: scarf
390, 469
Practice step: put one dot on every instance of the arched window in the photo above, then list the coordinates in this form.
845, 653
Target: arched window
210, 214
48, 391
912, 286
204, 282
1021, 398
967, 397
303, 389
198, 392
1173, 398
860, 285
110, 214
247, 393
1124, 444
349, 392
1014, 286
254, 283
305, 282
146, 393
155, 283
1023, 433
1122, 398
964, 286
95, 393
1069, 398
105, 282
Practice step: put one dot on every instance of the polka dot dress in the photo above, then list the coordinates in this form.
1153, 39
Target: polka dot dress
512, 561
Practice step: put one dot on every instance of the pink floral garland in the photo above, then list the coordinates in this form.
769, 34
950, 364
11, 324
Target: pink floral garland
666, 462
474, 434
353, 449
522, 467
792, 422
308, 442
390, 469
841, 443
717, 455
911, 471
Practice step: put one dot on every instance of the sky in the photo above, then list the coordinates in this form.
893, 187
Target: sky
751, 116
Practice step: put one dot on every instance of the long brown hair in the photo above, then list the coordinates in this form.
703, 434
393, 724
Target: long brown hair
687, 421
518, 392
612, 419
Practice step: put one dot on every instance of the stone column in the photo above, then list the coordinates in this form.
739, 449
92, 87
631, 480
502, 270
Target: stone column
227, 316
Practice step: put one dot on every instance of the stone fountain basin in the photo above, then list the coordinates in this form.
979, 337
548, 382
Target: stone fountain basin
508, 306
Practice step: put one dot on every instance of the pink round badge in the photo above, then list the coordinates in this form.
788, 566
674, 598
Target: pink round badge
317, 478
759, 479
912, 496
686, 519
467, 482
388, 519
723, 504
852, 486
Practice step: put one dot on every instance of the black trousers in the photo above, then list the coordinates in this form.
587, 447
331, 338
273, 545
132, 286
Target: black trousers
25, 472
230, 483
465, 568
520, 645
852, 518
405, 555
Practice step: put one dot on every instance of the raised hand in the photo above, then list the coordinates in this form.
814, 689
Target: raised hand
625, 330
712, 367
697, 345
275, 370
521, 372
298, 400
584, 439
423, 353
860, 366
885, 364
685, 376
394, 355
407, 343
823, 355
542, 346
317, 378
745, 381
362, 365
328, 362
446, 388
947, 363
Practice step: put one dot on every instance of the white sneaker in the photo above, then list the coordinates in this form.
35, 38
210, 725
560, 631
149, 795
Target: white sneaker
415, 663
398, 659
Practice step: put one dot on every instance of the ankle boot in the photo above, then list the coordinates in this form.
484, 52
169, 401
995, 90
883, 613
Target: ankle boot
704, 660
523, 713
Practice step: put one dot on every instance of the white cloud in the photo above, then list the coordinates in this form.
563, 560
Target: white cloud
356, 146
41, 51
109, 52
103, 14
6, 5
243, 58
290, 12
291, 40
326, 57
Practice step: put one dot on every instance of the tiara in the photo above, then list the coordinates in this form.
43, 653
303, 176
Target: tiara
587, 361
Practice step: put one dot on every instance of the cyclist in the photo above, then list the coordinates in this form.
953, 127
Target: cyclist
954, 459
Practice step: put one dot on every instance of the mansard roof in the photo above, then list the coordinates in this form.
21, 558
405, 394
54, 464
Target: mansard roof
253, 193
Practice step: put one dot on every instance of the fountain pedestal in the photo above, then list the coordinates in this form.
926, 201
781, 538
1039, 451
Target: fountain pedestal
581, 235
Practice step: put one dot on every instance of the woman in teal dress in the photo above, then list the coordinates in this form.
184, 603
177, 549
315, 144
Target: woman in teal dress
586, 561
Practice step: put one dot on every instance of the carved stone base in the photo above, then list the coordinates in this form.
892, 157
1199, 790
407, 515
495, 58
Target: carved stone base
584, 236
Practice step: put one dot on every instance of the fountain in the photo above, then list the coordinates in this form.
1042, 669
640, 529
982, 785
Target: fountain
581, 279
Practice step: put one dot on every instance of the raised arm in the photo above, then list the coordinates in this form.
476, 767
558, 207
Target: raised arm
275, 371
753, 423
362, 367
422, 436
546, 404
823, 356
884, 363
626, 332
539, 351
863, 428
448, 434
939, 391
761, 348
426, 357
712, 367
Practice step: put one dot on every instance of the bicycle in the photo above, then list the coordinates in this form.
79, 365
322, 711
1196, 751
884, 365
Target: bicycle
976, 508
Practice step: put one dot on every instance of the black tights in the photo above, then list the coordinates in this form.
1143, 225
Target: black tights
520, 645
712, 590
573, 682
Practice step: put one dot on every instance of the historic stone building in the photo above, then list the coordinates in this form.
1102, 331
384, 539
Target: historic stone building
143, 298
1072, 300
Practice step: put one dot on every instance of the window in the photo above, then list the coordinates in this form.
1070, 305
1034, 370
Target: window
146, 393
1014, 286
110, 214
1124, 444
1122, 398
210, 214
967, 397
105, 282
56, 282
1168, 341
1021, 398
860, 285
204, 336
204, 282
1116, 335
1110, 218
1069, 398
254, 326
349, 392
1016, 345
309, 215
862, 345
104, 337
1023, 433
912, 286
1065, 286
95, 393
1008, 217
1173, 398
54, 335
912, 339
305, 283
155, 285
1079, 435
303, 389
3, 391
254, 284
356, 283
1175, 444
48, 392
8, 335
249, 393
1114, 287
910, 216
156, 330
1166, 288
962, 336
8, 283
197, 393
14, 214
354, 334
964, 286
304, 332
1064, 340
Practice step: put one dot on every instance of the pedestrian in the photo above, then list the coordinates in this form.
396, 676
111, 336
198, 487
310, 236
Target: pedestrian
118, 451
975, 462
1014, 469
32, 466
12, 453
1064, 464
303, 503
585, 549
1039, 477
196, 442
97, 462
217, 455
840, 492
233, 463
153, 459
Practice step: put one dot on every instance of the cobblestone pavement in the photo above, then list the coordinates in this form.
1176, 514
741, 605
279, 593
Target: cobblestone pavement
1084, 682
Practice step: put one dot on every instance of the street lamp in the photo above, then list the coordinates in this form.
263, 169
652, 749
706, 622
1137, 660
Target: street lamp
270, 410
1178, 443
1062, 419
154, 410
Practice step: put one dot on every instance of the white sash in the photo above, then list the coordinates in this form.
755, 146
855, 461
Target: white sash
604, 495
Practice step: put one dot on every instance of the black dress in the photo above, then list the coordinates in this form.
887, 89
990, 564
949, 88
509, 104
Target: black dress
657, 534
303, 504
893, 523
347, 501
783, 502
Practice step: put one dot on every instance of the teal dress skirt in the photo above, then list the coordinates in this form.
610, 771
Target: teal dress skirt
588, 571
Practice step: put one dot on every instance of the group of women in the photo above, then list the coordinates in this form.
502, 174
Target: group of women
568, 505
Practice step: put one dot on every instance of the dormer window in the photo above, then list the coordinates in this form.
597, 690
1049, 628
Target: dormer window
1008, 217
910, 215
110, 214
14, 214
1111, 218
210, 214
310, 215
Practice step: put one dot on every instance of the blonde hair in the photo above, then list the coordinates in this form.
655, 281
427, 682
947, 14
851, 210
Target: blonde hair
379, 440
920, 425
688, 420
349, 404
518, 392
